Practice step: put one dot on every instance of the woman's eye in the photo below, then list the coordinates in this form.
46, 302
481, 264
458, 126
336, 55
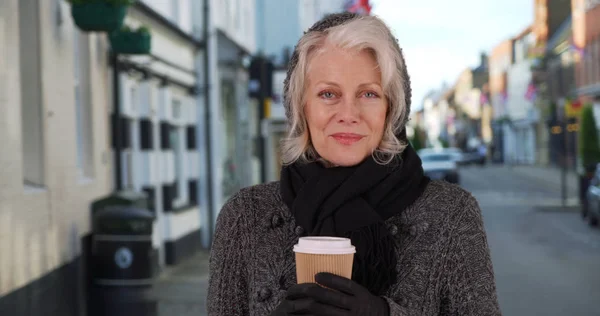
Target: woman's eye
327, 95
371, 95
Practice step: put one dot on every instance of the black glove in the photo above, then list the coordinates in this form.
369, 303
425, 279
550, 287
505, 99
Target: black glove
296, 302
341, 297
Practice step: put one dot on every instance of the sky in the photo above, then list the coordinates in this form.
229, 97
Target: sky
441, 38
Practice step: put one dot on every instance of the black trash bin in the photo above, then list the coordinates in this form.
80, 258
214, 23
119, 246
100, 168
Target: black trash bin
122, 247
122, 261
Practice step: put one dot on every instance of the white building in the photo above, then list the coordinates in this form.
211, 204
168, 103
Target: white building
232, 121
160, 105
519, 136
58, 94
436, 112
55, 156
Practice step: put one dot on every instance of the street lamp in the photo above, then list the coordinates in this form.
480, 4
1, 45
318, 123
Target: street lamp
543, 73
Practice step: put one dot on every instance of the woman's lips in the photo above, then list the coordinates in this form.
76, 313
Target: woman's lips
347, 138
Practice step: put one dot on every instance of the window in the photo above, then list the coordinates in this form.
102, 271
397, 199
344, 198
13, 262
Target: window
83, 108
128, 170
132, 148
177, 140
31, 91
596, 57
590, 4
588, 65
176, 14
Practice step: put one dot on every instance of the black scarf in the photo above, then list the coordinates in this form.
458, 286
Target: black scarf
354, 202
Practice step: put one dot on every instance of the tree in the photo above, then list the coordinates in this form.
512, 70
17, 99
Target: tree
589, 146
444, 142
417, 141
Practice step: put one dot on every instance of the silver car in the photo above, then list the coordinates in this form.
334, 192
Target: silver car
440, 166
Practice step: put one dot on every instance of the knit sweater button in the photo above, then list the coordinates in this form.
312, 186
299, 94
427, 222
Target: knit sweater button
403, 301
276, 221
264, 294
393, 230
299, 231
413, 230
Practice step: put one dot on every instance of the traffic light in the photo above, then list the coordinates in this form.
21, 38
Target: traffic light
261, 78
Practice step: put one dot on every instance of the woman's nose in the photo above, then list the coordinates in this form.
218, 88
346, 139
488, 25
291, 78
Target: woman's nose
348, 111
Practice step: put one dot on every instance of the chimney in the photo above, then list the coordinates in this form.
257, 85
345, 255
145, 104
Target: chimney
483, 60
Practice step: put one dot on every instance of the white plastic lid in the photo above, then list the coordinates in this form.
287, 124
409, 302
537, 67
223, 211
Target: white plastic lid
321, 245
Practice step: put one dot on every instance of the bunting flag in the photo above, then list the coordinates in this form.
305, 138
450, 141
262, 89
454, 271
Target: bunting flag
531, 93
483, 99
579, 50
362, 7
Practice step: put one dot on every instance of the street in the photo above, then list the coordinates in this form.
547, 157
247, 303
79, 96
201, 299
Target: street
546, 258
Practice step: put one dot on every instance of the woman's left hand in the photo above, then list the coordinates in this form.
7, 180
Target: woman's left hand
339, 296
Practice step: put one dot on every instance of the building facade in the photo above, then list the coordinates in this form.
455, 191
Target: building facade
468, 105
499, 61
56, 156
551, 30
437, 120
231, 116
159, 105
520, 135
559, 86
586, 39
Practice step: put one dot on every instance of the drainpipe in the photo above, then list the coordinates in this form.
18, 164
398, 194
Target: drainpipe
208, 122
118, 128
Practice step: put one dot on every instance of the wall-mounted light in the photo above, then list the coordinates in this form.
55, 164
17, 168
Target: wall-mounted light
574, 127
556, 130
164, 81
194, 91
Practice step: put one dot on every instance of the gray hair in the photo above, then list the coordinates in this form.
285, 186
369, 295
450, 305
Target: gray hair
355, 33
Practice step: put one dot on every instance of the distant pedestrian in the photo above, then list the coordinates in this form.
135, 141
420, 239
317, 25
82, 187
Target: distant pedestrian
421, 248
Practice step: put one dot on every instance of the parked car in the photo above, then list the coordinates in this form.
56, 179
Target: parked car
473, 157
440, 165
591, 207
457, 154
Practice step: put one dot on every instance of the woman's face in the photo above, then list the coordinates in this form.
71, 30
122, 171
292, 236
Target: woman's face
345, 105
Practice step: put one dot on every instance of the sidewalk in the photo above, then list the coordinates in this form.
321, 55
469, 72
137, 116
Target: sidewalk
550, 175
181, 290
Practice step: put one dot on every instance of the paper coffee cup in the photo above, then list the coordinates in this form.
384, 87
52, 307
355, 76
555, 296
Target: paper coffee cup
323, 254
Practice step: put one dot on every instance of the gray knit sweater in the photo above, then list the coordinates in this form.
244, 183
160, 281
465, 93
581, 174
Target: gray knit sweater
444, 265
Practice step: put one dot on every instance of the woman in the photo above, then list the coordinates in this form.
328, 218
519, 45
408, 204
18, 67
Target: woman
349, 171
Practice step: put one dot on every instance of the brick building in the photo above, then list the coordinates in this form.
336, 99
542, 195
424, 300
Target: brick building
586, 39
